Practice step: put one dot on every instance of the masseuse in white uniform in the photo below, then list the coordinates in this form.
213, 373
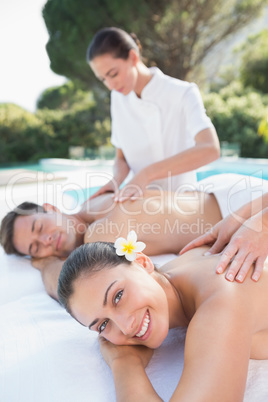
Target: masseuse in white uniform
159, 125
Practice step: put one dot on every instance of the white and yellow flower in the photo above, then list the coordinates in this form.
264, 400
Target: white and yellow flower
129, 247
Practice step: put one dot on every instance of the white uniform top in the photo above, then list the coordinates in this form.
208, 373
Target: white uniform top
160, 124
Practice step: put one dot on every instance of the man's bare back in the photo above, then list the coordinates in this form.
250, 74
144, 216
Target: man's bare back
164, 221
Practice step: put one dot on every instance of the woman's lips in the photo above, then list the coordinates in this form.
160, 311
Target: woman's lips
144, 332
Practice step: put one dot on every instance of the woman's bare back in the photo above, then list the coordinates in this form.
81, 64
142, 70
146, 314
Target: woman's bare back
194, 276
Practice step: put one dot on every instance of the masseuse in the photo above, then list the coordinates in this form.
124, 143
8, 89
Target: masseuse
159, 125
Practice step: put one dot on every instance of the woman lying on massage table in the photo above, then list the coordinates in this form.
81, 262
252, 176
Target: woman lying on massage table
131, 303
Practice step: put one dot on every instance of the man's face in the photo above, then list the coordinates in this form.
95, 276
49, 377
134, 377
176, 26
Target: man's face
44, 234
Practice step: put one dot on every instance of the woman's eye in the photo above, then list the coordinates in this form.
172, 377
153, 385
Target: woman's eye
113, 75
118, 296
41, 227
103, 326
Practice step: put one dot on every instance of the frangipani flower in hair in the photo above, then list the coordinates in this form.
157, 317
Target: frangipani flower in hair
129, 247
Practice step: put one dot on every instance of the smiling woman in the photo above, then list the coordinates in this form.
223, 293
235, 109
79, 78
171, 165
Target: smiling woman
130, 305
123, 290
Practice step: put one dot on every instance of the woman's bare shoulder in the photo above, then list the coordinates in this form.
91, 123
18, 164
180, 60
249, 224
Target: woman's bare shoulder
191, 257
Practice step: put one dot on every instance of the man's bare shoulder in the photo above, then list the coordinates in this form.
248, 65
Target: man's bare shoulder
103, 229
97, 207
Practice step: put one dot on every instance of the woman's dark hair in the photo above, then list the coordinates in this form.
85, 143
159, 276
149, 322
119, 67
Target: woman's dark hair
113, 41
85, 260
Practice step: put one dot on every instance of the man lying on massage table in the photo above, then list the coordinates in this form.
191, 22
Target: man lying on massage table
165, 221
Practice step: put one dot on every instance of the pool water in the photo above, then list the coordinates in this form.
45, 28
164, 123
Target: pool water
52, 165
82, 194
252, 167
248, 167
37, 167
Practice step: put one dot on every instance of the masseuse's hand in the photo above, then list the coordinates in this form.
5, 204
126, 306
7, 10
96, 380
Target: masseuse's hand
112, 352
134, 189
217, 237
248, 244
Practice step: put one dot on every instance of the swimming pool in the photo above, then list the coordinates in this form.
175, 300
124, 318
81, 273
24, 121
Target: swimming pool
254, 167
52, 165
248, 167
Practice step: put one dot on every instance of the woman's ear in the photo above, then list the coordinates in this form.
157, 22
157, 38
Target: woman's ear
133, 57
145, 262
50, 208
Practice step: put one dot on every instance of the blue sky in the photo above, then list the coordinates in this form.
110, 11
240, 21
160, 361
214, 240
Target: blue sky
24, 64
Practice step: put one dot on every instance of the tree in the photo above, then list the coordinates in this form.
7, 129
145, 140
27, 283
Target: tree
176, 35
63, 97
254, 66
23, 135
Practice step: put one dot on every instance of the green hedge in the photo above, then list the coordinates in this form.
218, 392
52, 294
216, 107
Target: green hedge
22, 135
254, 65
237, 115
25, 137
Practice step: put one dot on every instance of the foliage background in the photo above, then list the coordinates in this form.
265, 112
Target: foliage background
176, 36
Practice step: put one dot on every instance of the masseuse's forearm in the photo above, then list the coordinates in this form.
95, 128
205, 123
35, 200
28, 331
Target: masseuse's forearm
131, 382
205, 151
121, 168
